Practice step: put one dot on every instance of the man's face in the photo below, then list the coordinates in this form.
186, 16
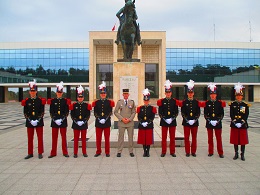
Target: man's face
80, 98
59, 94
190, 95
125, 95
146, 102
213, 96
33, 93
239, 97
103, 95
168, 94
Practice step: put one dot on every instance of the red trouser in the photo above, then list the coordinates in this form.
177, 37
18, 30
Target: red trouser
55, 133
83, 140
172, 131
30, 134
218, 133
99, 138
193, 131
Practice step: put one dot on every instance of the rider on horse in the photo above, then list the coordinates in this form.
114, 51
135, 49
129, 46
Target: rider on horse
121, 16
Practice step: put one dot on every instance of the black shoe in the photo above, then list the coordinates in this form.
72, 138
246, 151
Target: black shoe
173, 155
28, 156
147, 155
144, 155
51, 156
96, 155
209, 155
187, 155
66, 155
118, 155
242, 157
162, 155
75, 156
85, 155
236, 156
117, 42
221, 156
132, 154
40, 156
107, 155
193, 154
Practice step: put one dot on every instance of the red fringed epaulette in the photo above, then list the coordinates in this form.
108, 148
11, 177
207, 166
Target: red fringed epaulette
89, 107
94, 104
202, 104
223, 103
179, 103
154, 110
68, 101
43, 101
49, 101
23, 102
138, 109
159, 102
112, 103
71, 106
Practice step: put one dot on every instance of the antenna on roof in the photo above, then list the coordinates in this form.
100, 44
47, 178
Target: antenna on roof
214, 32
250, 40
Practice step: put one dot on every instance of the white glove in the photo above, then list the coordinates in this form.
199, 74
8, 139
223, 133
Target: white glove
34, 122
168, 120
80, 123
58, 122
102, 121
238, 125
191, 122
145, 124
213, 123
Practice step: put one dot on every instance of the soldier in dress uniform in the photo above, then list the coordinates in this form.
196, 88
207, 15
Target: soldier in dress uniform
59, 111
190, 112
145, 115
125, 111
102, 112
239, 111
33, 112
214, 113
168, 112
80, 113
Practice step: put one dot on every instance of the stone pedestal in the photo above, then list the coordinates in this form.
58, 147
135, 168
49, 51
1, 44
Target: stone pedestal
129, 75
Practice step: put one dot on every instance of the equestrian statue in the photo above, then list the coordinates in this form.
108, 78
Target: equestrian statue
128, 32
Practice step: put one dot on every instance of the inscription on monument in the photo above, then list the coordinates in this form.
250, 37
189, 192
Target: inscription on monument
131, 83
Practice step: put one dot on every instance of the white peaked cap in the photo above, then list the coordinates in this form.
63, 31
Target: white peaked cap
238, 87
32, 83
212, 86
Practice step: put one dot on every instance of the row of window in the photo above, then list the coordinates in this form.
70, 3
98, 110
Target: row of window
44, 50
212, 50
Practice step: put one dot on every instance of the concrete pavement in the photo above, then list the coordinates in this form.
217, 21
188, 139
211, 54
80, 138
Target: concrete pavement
125, 175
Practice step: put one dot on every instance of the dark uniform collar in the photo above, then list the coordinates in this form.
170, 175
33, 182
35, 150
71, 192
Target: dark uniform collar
80, 102
190, 99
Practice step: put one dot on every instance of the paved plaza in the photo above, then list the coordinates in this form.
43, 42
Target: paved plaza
125, 175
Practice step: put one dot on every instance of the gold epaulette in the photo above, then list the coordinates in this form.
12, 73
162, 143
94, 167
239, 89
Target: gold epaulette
229, 103
248, 104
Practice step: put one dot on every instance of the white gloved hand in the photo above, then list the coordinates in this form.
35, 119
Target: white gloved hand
213, 123
102, 121
58, 122
238, 125
34, 122
80, 123
168, 120
191, 122
144, 124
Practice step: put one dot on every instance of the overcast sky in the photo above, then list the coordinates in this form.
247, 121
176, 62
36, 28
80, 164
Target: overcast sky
183, 20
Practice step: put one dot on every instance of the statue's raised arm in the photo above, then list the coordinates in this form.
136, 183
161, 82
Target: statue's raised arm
128, 31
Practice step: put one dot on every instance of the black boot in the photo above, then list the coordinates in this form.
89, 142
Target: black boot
147, 151
236, 152
144, 147
243, 152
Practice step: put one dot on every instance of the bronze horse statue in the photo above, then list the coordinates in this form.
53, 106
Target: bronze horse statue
129, 30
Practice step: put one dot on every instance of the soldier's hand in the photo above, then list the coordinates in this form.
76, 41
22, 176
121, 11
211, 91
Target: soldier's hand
168, 120
191, 122
34, 122
58, 122
80, 123
102, 121
213, 123
144, 124
238, 125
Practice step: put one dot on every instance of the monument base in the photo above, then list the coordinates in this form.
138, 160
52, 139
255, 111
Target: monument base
128, 60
